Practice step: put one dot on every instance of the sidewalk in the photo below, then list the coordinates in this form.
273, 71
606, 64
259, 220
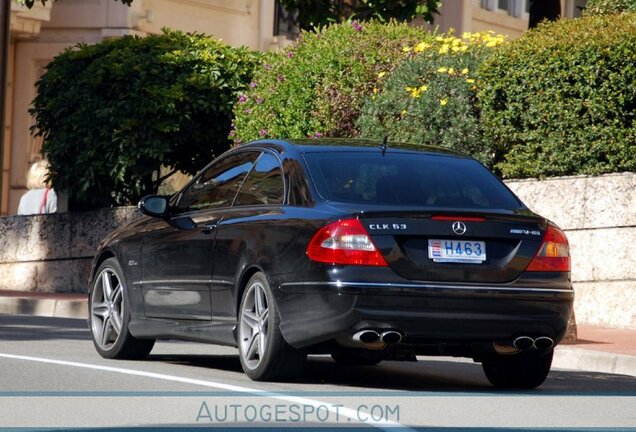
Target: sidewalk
597, 349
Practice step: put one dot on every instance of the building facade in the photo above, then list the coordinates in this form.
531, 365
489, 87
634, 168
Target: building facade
39, 34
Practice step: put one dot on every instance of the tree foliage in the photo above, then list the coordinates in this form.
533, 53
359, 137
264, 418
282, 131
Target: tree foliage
317, 13
602, 7
111, 114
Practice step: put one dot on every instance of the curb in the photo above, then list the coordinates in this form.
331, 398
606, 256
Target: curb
51, 307
566, 357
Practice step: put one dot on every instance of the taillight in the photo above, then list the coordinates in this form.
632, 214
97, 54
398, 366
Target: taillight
554, 253
344, 242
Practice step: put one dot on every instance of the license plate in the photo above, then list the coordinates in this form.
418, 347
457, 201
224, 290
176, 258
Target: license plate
457, 251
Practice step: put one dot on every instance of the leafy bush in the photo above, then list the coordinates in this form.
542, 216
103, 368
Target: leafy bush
430, 98
562, 99
601, 7
113, 113
316, 87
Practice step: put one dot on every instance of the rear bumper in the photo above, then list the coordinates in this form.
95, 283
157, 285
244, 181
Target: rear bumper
314, 312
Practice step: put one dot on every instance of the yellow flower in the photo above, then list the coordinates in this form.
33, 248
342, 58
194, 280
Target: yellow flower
375, 90
421, 46
442, 70
439, 39
404, 112
423, 88
470, 81
444, 49
406, 49
443, 102
451, 71
381, 74
465, 71
456, 49
464, 48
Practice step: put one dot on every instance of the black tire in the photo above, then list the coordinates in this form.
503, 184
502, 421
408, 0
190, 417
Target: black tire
356, 357
526, 370
258, 322
109, 315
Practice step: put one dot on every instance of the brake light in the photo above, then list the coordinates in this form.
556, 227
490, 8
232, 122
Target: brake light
554, 253
459, 218
344, 242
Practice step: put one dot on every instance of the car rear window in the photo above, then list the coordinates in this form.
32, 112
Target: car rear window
400, 178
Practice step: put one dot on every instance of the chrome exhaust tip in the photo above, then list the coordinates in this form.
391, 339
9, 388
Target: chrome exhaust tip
523, 342
543, 343
391, 337
366, 336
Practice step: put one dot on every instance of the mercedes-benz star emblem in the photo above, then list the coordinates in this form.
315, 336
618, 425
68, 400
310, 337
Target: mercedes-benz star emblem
459, 228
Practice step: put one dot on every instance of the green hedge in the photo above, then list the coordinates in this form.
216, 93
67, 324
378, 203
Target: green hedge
113, 113
430, 98
316, 87
601, 7
562, 99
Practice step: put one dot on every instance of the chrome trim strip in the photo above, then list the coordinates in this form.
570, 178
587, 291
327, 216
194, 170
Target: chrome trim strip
184, 281
438, 287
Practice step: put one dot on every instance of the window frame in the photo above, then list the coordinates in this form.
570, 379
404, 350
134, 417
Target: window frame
282, 176
175, 203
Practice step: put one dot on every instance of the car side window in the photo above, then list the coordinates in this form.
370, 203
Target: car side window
217, 186
264, 184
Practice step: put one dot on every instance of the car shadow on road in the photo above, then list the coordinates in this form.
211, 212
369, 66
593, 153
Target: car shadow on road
423, 376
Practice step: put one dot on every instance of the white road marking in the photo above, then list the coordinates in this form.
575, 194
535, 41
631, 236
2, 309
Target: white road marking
345, 412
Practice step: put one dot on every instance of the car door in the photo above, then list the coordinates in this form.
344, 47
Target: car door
245, 235
177, 253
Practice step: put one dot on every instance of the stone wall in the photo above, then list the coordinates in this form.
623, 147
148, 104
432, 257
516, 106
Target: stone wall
53, 253
598, 214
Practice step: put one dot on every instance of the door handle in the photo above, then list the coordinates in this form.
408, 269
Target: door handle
208, 228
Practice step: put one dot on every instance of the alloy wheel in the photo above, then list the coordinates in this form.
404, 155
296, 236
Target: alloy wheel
254, 328
107, 309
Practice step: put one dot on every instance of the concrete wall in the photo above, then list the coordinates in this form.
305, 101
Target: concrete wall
598, 215
53, 253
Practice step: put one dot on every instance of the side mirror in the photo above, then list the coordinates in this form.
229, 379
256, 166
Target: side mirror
154, 205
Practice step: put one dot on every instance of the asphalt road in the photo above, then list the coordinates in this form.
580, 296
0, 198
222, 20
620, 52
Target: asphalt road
50, 376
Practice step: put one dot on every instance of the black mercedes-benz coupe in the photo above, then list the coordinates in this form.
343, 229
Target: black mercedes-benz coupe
364, 250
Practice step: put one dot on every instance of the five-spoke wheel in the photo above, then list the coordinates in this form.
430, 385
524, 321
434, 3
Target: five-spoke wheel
254, 325
107, 309
263, 352
109, 315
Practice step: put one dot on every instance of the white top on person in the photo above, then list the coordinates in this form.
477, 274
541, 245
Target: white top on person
40, 198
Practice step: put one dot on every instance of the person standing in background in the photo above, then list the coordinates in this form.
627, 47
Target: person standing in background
41, 198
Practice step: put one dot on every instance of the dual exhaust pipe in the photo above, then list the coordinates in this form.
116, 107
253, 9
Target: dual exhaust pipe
375, 340
525, 343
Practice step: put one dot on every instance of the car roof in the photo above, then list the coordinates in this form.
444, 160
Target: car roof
309, 145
